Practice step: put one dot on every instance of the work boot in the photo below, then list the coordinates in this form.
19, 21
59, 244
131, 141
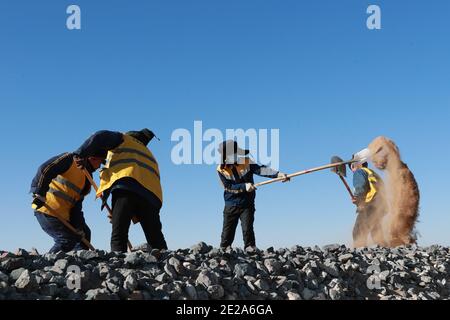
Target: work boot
251, 250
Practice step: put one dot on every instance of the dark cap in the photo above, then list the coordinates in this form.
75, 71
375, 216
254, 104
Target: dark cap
144, 136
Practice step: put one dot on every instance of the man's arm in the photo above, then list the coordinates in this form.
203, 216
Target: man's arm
263, 171
100, 143
48, 171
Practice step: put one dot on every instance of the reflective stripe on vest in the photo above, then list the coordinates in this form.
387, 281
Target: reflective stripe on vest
62, 195
372, 183
139, 163
242, 170
64, 192
131, 160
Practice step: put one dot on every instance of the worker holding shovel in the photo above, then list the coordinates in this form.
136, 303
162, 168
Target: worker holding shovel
58, 189
131, 175
236, 174
371, 205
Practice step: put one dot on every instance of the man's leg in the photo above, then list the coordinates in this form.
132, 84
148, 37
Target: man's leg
151, 225
360, 230
247, 221
123, 207
376, 214
78, 222
65, 240
230, 222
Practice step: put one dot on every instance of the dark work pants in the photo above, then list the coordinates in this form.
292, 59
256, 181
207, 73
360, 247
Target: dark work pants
231, 217
369, 221
125, 205
65, 240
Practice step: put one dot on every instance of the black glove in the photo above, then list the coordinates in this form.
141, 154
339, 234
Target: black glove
38, 202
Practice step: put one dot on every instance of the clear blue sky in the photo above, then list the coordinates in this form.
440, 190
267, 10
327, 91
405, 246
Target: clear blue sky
310, 68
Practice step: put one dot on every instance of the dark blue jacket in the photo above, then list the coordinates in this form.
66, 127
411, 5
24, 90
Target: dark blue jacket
235, 194
361, 184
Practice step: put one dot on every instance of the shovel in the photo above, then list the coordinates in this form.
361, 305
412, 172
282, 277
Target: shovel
301, 173
341, 171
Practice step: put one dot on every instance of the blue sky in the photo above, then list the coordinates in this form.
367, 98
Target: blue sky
309, 68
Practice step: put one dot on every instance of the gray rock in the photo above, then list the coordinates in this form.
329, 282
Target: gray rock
345, 257
216, 292
87, 254
191, 291
10, 264
331, 247
293, 296
15, 274
100, 294
426, 279
207, 279
163, 277
200, 248
62, 264
130, 283
170, 270
262, 285
272, 265
26, 282
149, 258
133, 259
335, 294
330, 268
244, 269
4, 277
308, 294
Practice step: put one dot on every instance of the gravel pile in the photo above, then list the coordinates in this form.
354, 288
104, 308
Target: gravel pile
202, 272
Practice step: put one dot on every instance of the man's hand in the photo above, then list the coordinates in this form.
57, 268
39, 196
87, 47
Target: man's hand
250, 187
38, 201
284, 176
354, 201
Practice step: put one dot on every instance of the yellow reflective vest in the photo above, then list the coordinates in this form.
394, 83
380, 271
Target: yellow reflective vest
373, 182
241, 168
131, 159
64, 192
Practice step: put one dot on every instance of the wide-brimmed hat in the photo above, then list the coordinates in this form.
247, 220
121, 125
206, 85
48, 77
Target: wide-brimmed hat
230, 147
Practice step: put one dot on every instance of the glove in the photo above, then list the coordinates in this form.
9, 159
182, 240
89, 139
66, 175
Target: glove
80, 162
250, 187
284, 176
38, 201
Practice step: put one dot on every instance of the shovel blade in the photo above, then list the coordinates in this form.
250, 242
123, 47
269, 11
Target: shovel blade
340, 170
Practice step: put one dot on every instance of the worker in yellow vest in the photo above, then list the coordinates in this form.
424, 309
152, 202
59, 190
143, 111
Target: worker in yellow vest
236, 173
371, 205
131, 175
58, 189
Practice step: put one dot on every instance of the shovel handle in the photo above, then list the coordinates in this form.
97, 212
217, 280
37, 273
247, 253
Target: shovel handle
300, 173
69, 226
347, 186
